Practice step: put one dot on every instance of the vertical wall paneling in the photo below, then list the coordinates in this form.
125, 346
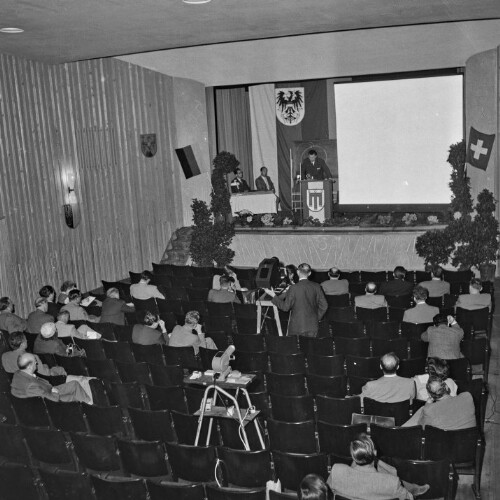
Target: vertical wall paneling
85, 117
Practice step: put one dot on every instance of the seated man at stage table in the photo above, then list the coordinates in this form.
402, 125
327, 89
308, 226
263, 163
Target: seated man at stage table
398, 286
238, 184
370, 300
226, 294
391, 388
422, 312
436, 286
314, 168
25, 384
474, 299
264, 182
445, 412
306, 302
334, 285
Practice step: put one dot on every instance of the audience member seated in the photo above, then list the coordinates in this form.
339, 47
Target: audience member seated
39, 316
291, 276
143, 290
398, 286
9, 321
368, 478
226, 294
25, 384
147, 333
66, 287
66, 330
436, 286
190, 334
422, 312
445, 412
334, 285
436, 368
47, 341
49, 293
229, 273
474, 299
114, 308
312, 487
76, 311
444, 338
370, 300
19, 344
390, 388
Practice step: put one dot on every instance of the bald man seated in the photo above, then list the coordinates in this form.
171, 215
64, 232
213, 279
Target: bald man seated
391, 388
25, 384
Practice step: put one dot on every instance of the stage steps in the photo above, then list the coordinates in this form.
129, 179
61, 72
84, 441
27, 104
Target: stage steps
177, 251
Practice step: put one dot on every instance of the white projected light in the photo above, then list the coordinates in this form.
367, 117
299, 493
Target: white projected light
393, 139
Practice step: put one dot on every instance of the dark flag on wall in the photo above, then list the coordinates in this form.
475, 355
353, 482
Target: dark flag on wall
148, 145
479, 148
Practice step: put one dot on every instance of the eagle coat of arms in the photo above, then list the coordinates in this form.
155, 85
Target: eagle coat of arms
290, 105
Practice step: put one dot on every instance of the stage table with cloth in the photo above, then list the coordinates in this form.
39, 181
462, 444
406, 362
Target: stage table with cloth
258, 202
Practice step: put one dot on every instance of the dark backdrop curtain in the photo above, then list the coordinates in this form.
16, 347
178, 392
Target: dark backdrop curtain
233, 127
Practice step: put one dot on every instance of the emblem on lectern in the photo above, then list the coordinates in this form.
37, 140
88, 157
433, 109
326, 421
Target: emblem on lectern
315, 200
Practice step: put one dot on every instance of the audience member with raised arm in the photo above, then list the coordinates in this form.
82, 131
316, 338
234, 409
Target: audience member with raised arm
444, 338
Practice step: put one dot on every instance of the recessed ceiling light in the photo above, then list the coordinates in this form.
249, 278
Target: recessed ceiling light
196, 2
11, 30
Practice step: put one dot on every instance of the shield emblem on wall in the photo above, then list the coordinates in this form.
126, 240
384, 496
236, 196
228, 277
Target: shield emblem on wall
148, 145
290, 105
315, 200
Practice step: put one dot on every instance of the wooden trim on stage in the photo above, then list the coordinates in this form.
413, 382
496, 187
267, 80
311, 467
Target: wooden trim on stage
335, 230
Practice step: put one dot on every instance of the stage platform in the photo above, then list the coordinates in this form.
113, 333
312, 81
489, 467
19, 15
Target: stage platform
367, 248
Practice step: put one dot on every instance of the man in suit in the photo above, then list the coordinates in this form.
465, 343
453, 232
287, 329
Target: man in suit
444, 338
370, 300
238, 184
398, 286
474, 299
114, 308
334, 285
264, 182
422, 312
25, 384
445, 412
369, 479
436, 286
226, 294
306, 302
9, 321
315, 168
143, 290
39, 316
390, 388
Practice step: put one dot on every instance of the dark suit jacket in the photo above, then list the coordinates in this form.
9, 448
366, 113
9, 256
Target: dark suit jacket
144, 335
307, 304
261, 185
319, 171
396, 287
113, 311
240, 187
36, 319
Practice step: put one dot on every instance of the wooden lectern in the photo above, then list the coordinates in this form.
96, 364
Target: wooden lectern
317, 200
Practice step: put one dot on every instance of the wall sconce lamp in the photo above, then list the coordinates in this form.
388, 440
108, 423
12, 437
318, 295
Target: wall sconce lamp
70, 183
71, 206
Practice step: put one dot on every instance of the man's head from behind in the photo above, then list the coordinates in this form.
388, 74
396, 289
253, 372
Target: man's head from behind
437, 272
475, 286
371, 288
420, 294
363, 451
312, 487
6, 305
399, 273
334, 273
113, 293
438, 368
440, 319
389, 363
16, 341
42, 303
75, 296
225, 282
63, 316
304, 270
146, 276
27, 363
437, 388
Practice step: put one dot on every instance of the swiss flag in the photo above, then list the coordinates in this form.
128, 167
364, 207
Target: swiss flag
479, 148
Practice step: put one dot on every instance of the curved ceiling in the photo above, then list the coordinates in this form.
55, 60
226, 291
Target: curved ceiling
59, 31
